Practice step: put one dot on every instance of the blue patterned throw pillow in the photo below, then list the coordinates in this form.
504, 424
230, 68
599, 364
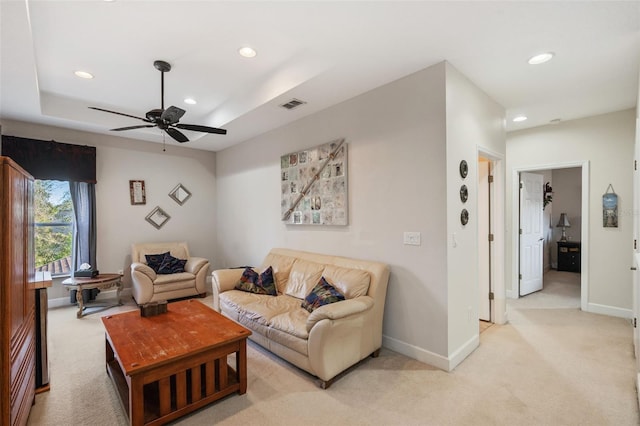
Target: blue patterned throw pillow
253, 282
154, 261
171, 265
322, 294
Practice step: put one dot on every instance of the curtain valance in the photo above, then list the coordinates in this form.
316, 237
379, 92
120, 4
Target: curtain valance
50, 160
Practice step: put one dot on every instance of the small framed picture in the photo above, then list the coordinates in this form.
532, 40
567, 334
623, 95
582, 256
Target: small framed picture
180, 194
157, 217
137, 192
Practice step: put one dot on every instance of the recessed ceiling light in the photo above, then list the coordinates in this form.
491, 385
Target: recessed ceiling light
247, 52
541, 58
190, 101
83, 74
519, 118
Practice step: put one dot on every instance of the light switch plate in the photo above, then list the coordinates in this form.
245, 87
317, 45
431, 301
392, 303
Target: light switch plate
412, 238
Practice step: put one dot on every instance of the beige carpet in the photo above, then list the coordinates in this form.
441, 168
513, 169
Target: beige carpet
546, 367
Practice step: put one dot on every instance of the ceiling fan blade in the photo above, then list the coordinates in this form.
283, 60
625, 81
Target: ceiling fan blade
120, 113
172, 115
133, 127
204, 129
177, 134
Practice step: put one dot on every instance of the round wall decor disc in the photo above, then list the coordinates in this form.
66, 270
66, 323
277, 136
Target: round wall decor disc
464, 217
464, 169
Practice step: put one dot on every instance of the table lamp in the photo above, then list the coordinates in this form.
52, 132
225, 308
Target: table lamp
563, 223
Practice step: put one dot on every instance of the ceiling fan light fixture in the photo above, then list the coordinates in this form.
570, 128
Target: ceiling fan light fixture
83, 74
190, 101
519, 118
247, 52
541, 58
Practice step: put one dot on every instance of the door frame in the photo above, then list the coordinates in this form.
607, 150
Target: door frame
584, 231
498, 307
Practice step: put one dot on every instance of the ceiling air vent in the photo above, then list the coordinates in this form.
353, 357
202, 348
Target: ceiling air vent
293, 103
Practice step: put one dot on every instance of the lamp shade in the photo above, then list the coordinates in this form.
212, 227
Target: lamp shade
564, 221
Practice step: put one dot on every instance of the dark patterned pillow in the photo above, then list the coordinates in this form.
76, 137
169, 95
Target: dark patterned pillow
171, 265
154, 261
253, 282
322, 294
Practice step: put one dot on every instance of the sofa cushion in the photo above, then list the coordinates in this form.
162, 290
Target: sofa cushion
171, 265
173, 278
154, 261
281, 268
292, 322
266, 308
253, 282
350, 282
322, 294
303, 277
236, 300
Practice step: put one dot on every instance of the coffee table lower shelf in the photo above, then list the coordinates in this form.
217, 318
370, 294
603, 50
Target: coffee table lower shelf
170, 391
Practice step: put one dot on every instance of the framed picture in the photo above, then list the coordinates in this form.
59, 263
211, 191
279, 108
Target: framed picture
610, 210
137, 192
180, 194
158, 217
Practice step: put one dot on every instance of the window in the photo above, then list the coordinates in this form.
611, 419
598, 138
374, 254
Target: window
54, 226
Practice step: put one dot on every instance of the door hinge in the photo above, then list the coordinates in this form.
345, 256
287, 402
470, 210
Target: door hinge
520, 231
635, 244
519, 276
490, 237
635, 322
520, 185
490, 179
635, 164
491, 295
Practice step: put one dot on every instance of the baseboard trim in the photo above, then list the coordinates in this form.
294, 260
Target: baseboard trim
609, 310
59, 302
463, 352
416, 353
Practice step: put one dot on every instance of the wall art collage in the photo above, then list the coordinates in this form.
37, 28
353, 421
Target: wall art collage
314, 185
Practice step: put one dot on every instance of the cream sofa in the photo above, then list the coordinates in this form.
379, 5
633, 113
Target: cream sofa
147, 286
331, 338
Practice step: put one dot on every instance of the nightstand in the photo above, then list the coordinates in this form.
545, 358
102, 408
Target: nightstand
569, 256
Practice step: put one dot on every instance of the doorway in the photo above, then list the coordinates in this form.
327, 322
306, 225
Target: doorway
573, 179
491, 238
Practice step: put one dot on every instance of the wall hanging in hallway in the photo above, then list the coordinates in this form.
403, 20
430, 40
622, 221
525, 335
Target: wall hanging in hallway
610, 208
314, 185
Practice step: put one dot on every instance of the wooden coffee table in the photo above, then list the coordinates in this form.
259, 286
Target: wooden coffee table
168, 365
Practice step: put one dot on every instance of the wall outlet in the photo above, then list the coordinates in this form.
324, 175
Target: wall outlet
412, 238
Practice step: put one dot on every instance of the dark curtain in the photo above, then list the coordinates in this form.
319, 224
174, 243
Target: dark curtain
49, 160
83, 197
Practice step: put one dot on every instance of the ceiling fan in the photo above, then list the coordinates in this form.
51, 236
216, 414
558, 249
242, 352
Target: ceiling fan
165, 119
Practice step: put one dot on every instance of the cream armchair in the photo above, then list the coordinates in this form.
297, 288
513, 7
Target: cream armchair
149, 286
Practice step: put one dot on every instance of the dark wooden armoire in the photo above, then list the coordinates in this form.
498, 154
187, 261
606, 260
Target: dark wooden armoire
17, 294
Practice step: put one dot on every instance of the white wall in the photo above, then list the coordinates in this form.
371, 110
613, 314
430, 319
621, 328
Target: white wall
119, 160
474, 121
606, 142
398, 166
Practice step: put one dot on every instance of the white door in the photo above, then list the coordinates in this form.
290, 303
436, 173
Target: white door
531, 233
484, 249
